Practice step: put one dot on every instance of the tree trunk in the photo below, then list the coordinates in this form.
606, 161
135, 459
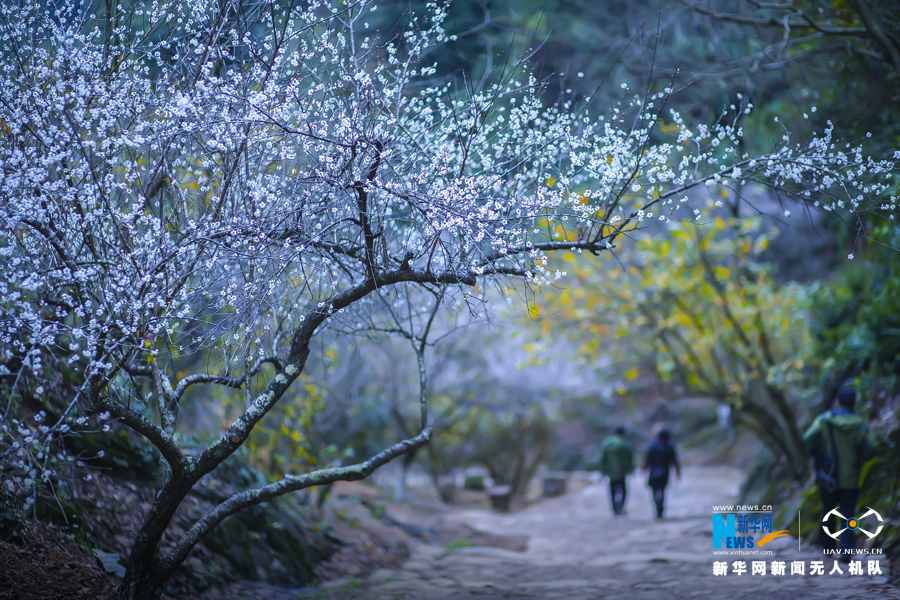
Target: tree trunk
144, 578
793, 433
139, 584
773, 434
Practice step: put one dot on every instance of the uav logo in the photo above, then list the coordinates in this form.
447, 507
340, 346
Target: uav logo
852, 523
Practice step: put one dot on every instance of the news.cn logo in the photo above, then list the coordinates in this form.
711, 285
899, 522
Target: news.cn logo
744, 530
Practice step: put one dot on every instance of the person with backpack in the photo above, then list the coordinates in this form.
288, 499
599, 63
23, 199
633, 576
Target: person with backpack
617, 463
840, 442
661, 457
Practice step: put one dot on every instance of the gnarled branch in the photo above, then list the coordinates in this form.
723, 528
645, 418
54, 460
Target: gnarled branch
143, 426
289, 484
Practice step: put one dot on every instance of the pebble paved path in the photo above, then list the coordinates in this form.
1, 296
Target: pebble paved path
578, 551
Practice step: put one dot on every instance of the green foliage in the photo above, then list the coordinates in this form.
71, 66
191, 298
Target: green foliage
856, 326
277, 541
458, 543
857, 317
450, 446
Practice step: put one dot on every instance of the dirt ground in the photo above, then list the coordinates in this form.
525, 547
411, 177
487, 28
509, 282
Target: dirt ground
48, 568
576, 550
569, 547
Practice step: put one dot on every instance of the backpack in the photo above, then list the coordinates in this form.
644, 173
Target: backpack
827, 464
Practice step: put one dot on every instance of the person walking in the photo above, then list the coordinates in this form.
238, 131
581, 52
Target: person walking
617, 463
840, 442
660, 458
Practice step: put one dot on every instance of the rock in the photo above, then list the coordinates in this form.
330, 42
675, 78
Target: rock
555, 484
447, 488
501, 497
10, 527
109, 562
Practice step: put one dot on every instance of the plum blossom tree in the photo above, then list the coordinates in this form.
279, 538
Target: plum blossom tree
213, 182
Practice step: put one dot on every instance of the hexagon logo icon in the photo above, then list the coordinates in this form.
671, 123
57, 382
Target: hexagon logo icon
854, 523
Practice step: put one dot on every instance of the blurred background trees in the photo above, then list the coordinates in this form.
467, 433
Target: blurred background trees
701, 312
768, 315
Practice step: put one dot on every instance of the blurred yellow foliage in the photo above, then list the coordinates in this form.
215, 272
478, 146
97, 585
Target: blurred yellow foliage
698, 306
281, 442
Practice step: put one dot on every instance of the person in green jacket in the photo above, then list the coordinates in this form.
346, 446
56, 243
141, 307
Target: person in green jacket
617, 463
840, 442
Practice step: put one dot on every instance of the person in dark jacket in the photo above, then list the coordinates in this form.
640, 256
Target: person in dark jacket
617, 463
661, 457
840, 442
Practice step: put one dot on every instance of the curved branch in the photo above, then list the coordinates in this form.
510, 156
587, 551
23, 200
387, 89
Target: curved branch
810, 23
136, 371
290, 483
287, 234
233, 382
299, 352
235, 436
143, 426
592, 246
888, 44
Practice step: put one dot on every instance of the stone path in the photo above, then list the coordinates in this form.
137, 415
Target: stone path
577, 550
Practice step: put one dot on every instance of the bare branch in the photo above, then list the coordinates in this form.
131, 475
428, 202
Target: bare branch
233, 382
149, 430
805, 22
889, 45
290, 483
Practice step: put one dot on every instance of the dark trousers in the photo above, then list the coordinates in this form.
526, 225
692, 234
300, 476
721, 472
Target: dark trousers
659, 497
617, 493
845, 501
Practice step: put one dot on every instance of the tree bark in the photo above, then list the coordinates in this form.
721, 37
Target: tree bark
143, 577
